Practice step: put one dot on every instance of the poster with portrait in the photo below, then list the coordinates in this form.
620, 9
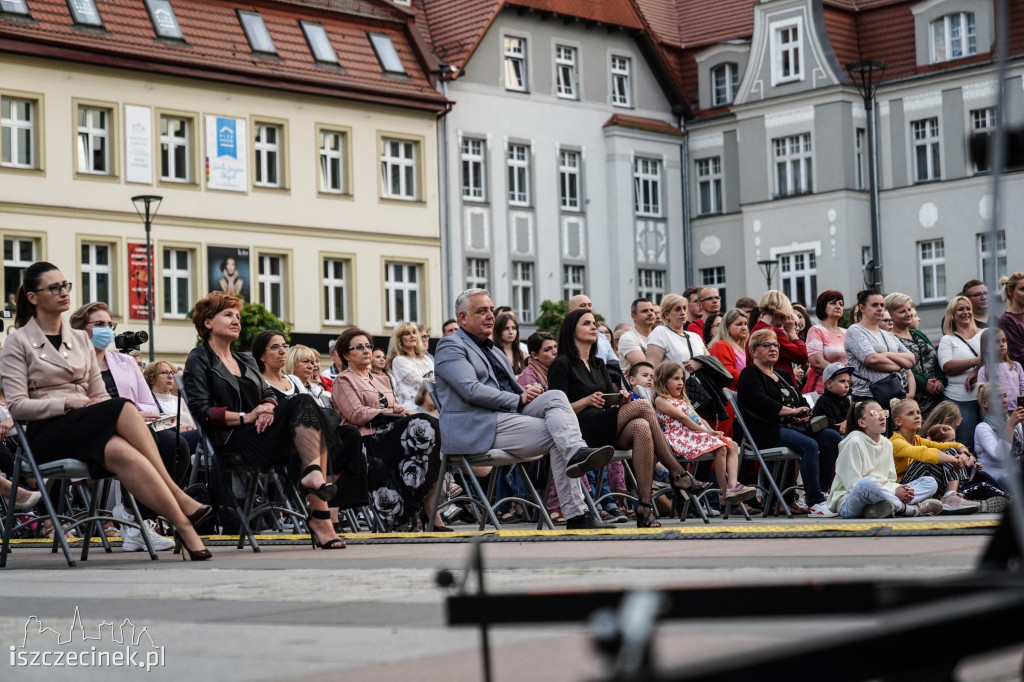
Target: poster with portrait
225, 154
138, 281
228, 270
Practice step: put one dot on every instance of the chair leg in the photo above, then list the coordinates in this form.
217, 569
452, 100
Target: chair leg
92, 497
542, 504
142, 528
437, 492
103, 497
485, 498
10, 518
244, 530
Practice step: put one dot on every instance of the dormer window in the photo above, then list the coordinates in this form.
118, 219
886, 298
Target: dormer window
787, 51
14, 6
256, 32
953, 37
387, 55
84, 13
724, 81
319, 42
165, 23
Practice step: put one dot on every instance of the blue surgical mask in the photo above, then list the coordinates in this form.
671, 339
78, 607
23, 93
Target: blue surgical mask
102, 337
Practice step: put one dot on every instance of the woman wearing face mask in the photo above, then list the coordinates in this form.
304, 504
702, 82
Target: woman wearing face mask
122, 378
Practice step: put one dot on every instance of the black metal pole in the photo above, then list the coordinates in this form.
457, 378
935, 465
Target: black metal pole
876, 234
149, 285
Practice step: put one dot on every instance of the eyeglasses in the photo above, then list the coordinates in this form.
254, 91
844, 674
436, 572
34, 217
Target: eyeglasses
279, 346
166, 373
55, 289
360, 347
711, 298
100, 323
879, 413
980, 294
769, 345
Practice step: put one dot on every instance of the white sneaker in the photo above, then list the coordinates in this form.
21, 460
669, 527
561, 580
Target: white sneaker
821, 510
954, 504
131, 538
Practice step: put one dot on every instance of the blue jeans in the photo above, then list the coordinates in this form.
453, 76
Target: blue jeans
609, 503
971, 414
869, 491
818, 454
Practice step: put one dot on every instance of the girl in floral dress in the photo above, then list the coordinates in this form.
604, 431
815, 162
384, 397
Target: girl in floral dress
689, 436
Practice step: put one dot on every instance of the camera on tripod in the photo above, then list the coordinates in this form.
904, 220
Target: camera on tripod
126, 342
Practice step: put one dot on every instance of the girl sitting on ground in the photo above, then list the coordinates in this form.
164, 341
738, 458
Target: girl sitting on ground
993, 451
866, 484
948, 463
689, 436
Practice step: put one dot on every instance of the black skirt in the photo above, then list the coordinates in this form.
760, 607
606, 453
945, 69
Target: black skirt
82, 434
402, 461
276, 445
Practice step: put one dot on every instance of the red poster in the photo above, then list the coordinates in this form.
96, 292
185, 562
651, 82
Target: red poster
138, 282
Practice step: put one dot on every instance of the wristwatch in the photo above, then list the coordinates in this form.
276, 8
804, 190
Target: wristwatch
241, 417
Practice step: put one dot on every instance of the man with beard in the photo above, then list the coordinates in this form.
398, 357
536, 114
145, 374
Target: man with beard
483, 408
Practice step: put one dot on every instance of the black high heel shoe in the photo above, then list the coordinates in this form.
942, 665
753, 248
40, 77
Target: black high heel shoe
693, 487
646, 519
336, 543
325, 492
195, 555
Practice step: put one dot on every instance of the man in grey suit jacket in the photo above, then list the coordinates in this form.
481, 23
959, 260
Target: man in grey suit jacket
483, 407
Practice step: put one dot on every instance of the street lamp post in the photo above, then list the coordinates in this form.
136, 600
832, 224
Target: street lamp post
146, 205
867, 76
768, 269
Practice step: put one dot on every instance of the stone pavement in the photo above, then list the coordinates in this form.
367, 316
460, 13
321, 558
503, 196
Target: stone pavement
372, 612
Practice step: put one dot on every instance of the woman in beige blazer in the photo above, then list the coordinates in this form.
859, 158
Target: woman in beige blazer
52, 381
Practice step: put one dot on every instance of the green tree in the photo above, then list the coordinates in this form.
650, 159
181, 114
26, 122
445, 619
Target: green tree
255, 318
551, 315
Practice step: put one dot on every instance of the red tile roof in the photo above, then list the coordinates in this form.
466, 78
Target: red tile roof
731, 19
216, 48
651, 125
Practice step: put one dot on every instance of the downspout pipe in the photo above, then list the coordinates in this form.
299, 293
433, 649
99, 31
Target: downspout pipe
684, 161
444, 204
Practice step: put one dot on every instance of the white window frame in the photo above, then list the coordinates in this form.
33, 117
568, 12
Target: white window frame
574, 280
566, 72
478, 273
794, 165
647, 186
332, 155
174, 306
256, 32
945, 25
406, 186
335, 288
983, 121
88, 135
515, 63
165, 21
266, 279
13, 124
388, 57
931, 269
19, 7
650, 284
724, 95
171, 142
84, 13
714, 277
798, 276
570, 180
709, 185
925, 136
622, 81
791, 51
93, 272
16, 261
401, 289
267, 155
523, 280
987, 257
319, 42
473, 154
860, 144
517, 163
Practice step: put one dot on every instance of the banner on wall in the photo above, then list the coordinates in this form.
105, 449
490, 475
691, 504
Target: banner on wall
138, 282
138, 144
228, 270
225, 154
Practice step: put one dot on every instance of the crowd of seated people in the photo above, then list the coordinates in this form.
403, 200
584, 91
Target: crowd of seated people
907, 426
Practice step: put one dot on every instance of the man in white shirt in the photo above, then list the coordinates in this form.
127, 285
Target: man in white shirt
633, 343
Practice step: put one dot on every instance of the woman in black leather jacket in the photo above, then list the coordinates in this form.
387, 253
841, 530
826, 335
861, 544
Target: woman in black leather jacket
227, 395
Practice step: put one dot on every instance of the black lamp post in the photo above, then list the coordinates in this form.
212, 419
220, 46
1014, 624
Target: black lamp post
146, 205
867, 76
768, 268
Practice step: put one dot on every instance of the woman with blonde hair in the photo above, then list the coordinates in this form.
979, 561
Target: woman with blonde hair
778, 315
729, 346
671, 342
1012, 321
408, 363
301, 362
929, 380
960, 358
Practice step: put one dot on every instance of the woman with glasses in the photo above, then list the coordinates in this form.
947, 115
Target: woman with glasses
160, 377
408, 363
52, 380
242, 415
776, 416
403, 451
